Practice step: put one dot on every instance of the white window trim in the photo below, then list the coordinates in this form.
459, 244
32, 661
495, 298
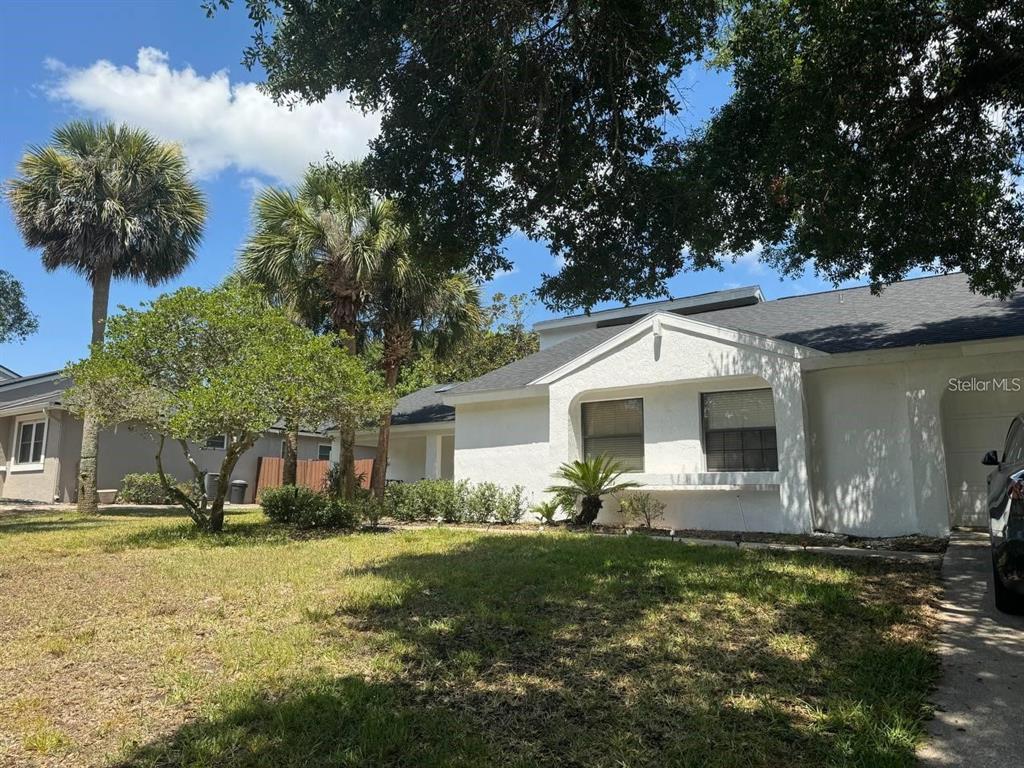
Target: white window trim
13, 465
329, 448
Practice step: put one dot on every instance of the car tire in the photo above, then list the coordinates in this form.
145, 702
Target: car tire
1006, 601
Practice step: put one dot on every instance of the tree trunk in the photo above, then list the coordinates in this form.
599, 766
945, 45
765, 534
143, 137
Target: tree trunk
88, 463
590, 508
291, 456
231, 457
380, 464
345, 318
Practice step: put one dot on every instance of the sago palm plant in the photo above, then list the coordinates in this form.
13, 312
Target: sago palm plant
588, 480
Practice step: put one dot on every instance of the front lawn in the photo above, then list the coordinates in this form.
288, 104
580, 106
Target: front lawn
128, 639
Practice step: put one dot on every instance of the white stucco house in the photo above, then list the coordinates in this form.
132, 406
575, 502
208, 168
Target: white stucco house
839, 411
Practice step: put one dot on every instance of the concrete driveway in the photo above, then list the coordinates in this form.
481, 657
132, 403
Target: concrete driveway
979, 718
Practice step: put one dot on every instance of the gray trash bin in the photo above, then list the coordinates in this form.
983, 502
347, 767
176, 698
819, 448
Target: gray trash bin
211, 484
238, 488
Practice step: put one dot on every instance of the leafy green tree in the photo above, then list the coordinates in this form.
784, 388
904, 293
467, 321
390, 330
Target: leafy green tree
192, 364
108, 202
588, 480
315, 250
871, 138
501, 338
16, 321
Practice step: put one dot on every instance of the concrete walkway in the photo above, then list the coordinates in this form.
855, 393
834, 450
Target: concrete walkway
979, 719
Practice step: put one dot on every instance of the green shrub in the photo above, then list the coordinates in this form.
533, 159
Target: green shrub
373, 510
641, 509
426, 500
144, 488
289, 503
482, 502
330, 513
510, 506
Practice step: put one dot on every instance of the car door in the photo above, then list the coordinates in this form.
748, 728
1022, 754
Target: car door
1006, 513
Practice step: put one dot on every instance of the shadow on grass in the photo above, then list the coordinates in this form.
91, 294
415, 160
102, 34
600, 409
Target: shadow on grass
578, 651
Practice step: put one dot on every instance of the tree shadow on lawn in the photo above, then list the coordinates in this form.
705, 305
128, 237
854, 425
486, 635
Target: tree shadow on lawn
562, 650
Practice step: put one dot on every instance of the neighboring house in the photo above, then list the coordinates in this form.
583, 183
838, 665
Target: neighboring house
40, 442
842, 411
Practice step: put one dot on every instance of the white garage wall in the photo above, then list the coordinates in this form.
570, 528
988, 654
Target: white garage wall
883, 435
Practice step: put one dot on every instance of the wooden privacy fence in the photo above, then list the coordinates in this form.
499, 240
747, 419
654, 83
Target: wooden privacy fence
309, 473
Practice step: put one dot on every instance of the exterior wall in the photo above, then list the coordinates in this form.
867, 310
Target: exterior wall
421, 452
407, 458
6, 422
671, 370
126, 450
121, 452
747, 510
879, 435
35, 484
506, 443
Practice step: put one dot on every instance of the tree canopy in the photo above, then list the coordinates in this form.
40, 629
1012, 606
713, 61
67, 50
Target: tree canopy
16, 321
197, 363
868, 138
500, 338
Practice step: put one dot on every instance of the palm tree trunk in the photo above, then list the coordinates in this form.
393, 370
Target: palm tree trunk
291, 456
345, 318
88, 498
380, 465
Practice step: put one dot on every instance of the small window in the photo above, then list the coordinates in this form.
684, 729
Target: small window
216, 443
615, 428
739, 431
284, 449
324, 452
29, 449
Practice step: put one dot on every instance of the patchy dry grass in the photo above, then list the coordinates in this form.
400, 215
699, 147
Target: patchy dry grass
131, 640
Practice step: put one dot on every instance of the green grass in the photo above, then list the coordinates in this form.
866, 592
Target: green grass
132, 640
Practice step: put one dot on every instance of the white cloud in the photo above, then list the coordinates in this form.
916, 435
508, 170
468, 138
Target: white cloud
751, 260
219, 124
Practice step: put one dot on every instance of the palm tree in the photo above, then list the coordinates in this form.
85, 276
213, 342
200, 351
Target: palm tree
315, 251
109, 202
409, 306
589, 480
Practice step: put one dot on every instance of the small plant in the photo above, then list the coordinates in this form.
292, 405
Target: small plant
427, 500
289, 503
547, 511
145, 488
511, 506
374, 510
306, 508
588, 481
482, 502
331, 513
641, 508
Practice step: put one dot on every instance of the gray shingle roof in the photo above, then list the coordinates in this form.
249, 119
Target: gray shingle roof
522, 372
423, 406
927, 310
40, 389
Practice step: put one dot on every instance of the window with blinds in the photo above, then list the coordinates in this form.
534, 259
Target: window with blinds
739, 431
615, 428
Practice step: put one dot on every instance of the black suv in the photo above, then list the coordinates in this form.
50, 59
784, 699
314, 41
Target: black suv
1006, 510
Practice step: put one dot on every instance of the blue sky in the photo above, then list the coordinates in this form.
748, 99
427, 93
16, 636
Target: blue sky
167, 67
